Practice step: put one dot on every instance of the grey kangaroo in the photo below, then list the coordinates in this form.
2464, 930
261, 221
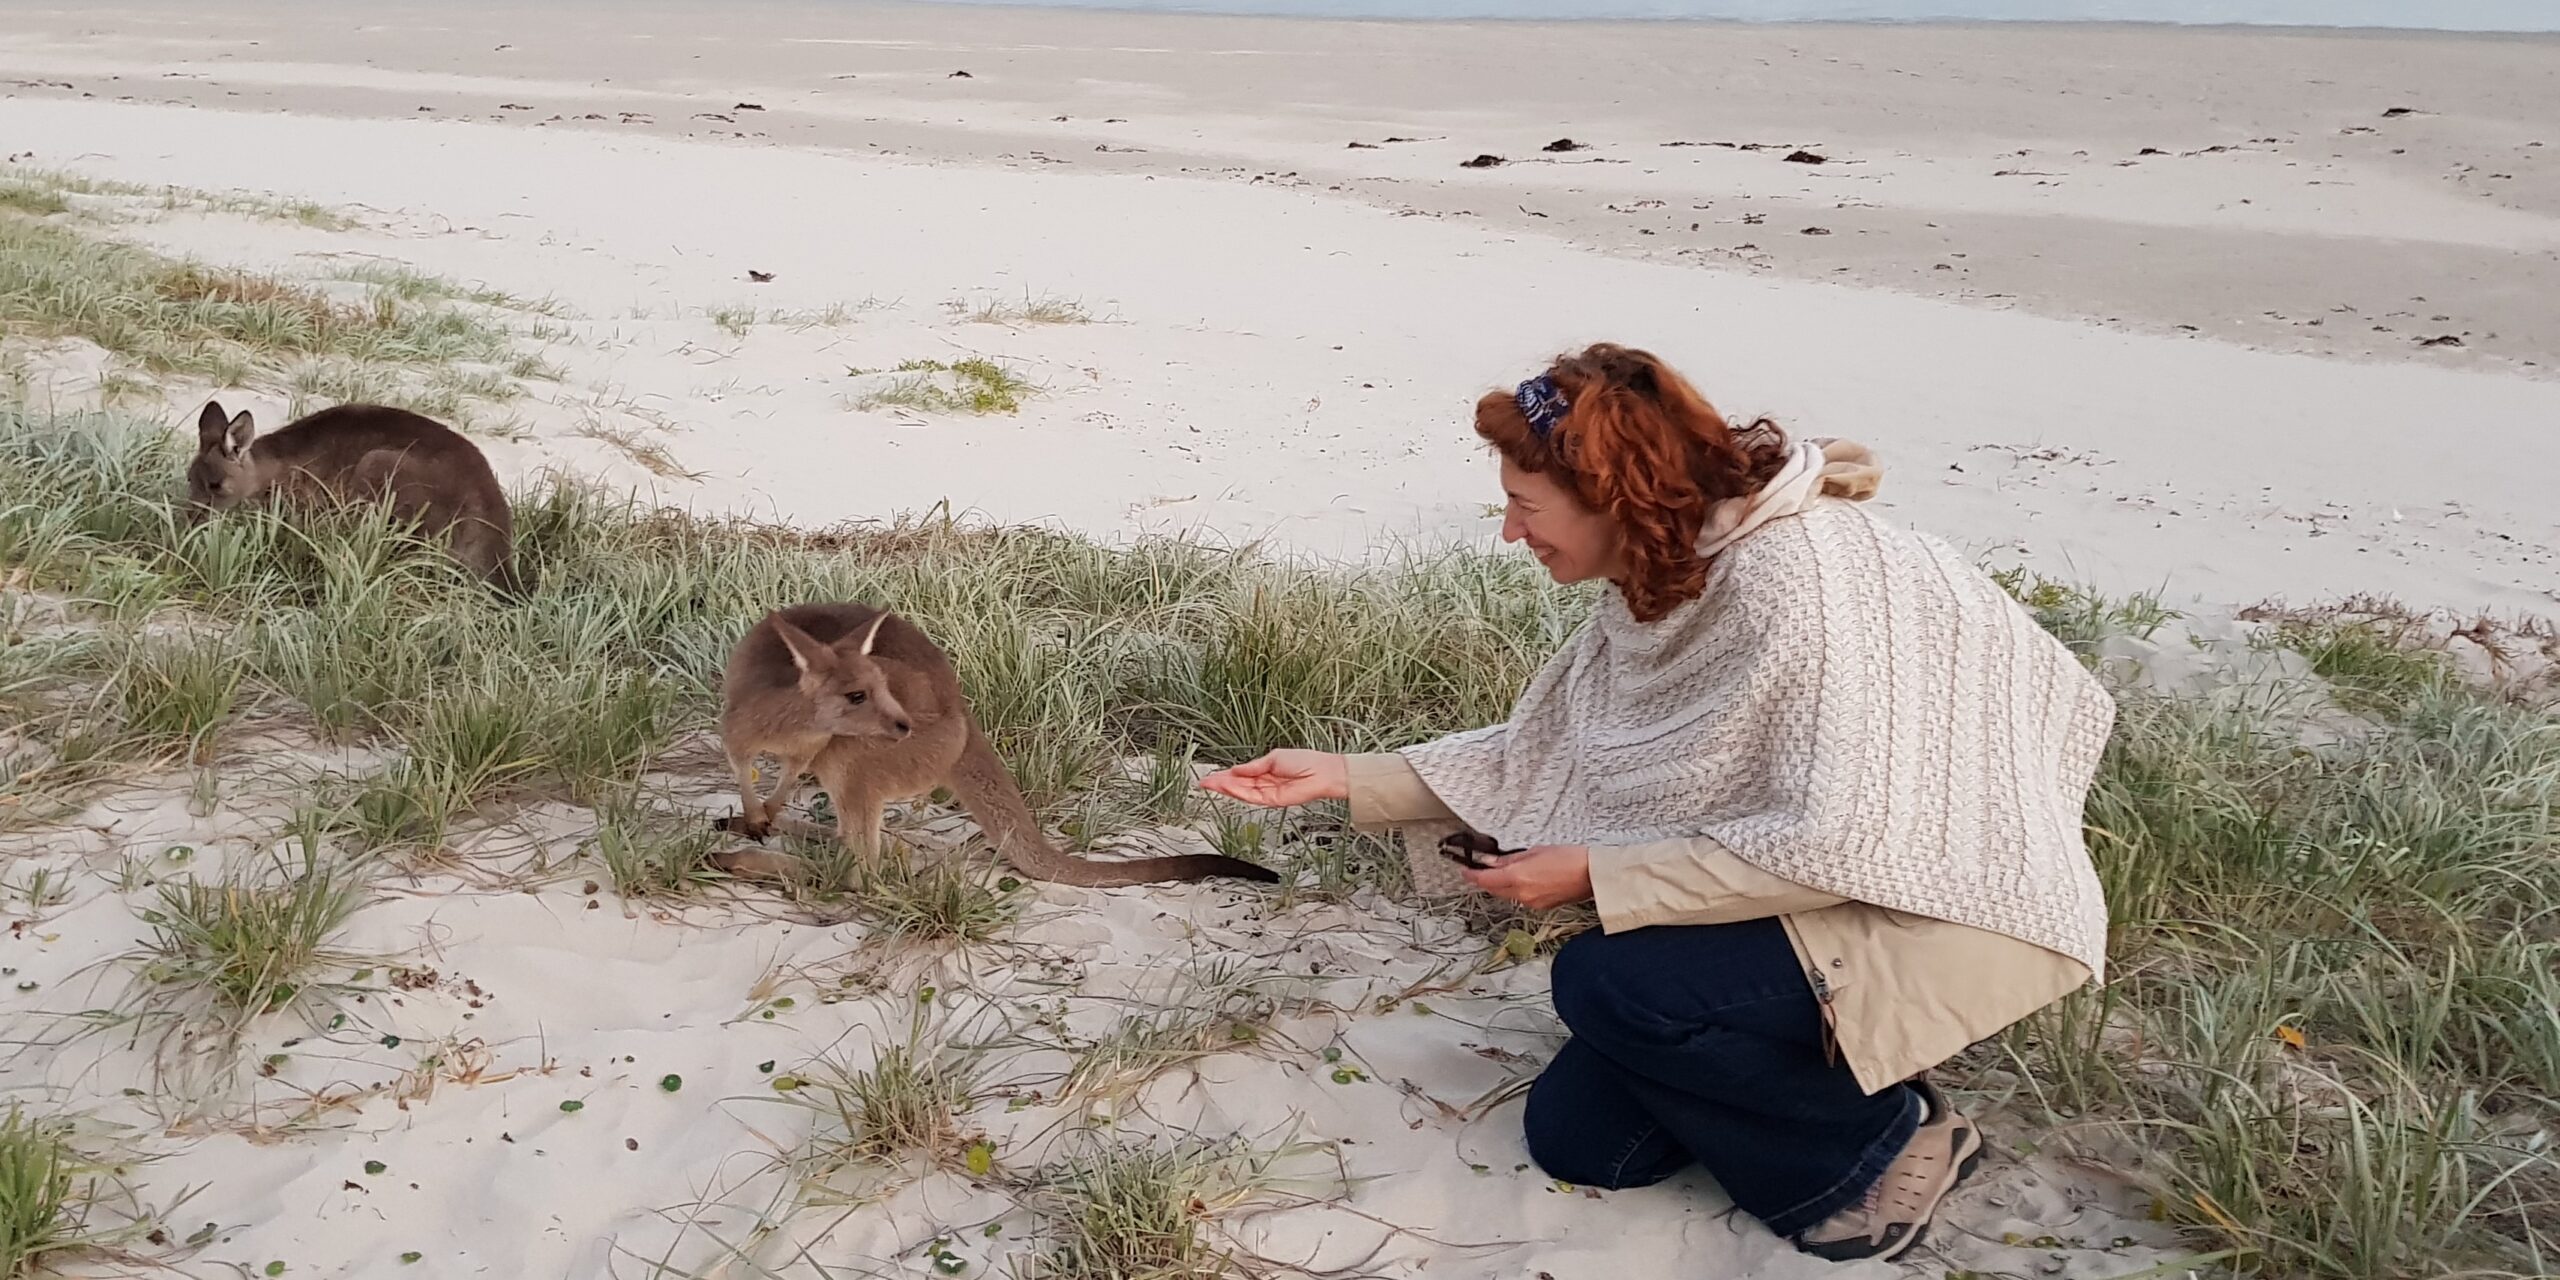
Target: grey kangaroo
359, 453
866, 701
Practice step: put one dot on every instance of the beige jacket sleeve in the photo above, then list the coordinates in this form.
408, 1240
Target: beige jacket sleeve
1386, 792
1693, 881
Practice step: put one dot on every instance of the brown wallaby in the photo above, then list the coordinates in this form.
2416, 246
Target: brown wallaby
360, 453
866, 701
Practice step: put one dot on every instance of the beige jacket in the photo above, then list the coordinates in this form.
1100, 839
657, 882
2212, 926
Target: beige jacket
1902, 993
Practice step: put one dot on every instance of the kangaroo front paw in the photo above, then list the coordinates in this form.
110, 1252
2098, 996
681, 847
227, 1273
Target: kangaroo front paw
736, 824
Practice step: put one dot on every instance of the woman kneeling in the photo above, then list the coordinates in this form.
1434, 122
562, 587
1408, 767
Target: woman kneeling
1821, 777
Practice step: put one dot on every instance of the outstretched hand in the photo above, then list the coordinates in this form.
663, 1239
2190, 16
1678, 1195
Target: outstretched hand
1547, 875
1284, 779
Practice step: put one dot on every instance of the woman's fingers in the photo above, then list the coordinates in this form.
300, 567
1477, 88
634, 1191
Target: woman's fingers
1257, 782
1229, 780
1538, 878
1284, 778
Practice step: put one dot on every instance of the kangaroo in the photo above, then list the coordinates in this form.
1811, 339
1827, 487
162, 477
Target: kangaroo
870, 704
359, 453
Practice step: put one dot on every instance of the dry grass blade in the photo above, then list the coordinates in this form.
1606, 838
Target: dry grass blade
1219, 1005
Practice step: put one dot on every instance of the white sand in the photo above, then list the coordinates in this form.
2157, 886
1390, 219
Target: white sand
1214, 395
1271, 359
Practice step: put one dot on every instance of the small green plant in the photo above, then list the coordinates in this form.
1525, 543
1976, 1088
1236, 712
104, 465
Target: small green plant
1240, 833
1032, 309
2079, 616
1165, 793
1119, 1210
973, 386
653, 854
909, 1100
42, 889
902, 895
254, 941
37, 1212
2373, 666
175, 691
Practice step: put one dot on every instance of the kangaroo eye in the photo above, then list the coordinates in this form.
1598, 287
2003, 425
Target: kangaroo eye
857, 697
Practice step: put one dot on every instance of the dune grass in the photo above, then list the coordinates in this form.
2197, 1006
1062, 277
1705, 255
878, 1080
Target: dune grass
254, 939
68, 1210
1045, 308
39, 1210
36, 1164
973, 386
922, 898
33, 199
1125, 1209
1210, 1006
403, 341
45, 191
2334, 962
2336, 972
910, 1100
171, 315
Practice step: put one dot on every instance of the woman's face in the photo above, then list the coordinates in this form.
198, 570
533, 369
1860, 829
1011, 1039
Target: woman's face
1575, 543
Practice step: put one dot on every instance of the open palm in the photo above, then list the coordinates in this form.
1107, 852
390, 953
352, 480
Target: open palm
1284, 778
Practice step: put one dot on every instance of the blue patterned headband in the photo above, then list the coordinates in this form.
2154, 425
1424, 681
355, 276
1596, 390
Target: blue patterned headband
1542, 403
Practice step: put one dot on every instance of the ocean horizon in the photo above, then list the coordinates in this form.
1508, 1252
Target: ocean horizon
2524, 16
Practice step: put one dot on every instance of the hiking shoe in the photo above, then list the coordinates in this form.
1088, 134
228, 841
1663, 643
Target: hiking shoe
1895, 1212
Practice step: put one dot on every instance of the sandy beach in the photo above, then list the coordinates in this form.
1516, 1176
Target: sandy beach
2227, 316
2167, 371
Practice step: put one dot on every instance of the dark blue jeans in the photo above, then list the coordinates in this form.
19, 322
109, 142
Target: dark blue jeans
1705, 1043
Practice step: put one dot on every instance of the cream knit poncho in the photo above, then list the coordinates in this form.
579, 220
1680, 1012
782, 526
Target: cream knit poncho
1849, 705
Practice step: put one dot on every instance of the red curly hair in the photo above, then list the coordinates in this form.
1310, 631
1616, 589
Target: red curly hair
1640, 445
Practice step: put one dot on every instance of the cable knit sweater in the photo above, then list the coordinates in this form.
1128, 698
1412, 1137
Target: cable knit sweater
1849, 705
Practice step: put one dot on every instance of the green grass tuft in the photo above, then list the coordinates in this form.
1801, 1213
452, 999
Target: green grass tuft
253, 941
972, 386
33, 199
37, 1166
909, 1100
1032, 309
1121, 1210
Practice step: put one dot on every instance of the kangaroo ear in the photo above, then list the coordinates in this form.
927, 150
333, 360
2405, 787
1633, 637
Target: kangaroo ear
242, 429
806, 652
211, 424
874, 633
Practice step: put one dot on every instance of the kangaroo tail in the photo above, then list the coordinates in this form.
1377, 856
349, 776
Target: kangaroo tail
986, 789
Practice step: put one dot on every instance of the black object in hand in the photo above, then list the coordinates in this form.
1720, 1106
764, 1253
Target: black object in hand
1472, 849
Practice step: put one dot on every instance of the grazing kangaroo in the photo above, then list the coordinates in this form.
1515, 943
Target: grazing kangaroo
870, 704
358, 453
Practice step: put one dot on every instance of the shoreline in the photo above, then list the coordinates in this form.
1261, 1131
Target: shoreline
1807, 24
1926, 193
